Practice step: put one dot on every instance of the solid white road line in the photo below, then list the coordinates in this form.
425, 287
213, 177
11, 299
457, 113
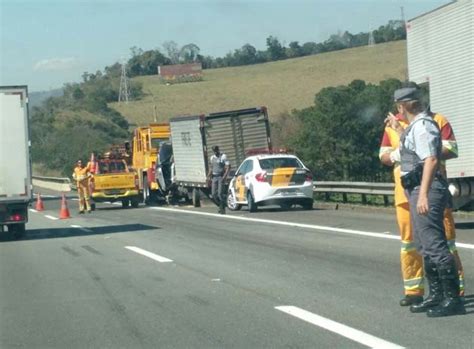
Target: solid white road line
299, 225
148, 254
51, 217
82, 228
338, 328
33, 210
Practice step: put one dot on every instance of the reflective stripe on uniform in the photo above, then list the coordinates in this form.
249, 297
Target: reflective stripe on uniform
452, 246
408, 246
414, 284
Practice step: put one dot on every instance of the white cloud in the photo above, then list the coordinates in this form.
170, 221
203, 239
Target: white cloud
55, 64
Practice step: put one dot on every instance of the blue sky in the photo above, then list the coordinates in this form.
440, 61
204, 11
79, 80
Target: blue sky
45, 44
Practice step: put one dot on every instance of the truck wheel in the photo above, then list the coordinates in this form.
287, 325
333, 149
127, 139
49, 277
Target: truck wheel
125, 203
196, 198
17, 230
231, 204
251, 202
308, 205
135, 202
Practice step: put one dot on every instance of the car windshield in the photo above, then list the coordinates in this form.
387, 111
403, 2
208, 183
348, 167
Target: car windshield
157, 142
272, 163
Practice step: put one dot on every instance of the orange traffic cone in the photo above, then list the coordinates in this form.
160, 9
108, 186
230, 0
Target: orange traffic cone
39, 203
64, 212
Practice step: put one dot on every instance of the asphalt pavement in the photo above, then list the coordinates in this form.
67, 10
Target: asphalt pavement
182, 277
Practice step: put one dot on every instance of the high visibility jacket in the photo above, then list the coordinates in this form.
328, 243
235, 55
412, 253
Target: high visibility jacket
81, 173
391, 141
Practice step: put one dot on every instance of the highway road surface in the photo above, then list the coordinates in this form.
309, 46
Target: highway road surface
181, 277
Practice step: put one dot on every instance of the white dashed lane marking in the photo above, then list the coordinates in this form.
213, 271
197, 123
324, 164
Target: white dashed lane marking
338, 328
51, 217
148, 254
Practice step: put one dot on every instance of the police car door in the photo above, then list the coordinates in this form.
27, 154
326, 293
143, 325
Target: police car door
239, 186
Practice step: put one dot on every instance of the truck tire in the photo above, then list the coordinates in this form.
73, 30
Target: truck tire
17, 230
251, 202
308, 204
125, 203
135, 202
196, 196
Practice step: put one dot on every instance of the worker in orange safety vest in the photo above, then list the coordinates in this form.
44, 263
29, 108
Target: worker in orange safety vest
81, 175
411, 260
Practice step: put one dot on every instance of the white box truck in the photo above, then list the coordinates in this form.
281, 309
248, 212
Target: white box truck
15, 164
236, 132
440, 48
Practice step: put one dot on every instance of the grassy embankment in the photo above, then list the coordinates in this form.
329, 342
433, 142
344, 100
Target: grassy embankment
281, 86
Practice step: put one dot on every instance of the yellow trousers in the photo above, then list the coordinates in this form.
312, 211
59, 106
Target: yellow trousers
412, 262
83, 191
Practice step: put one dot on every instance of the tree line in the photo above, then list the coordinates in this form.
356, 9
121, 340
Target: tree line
146, 62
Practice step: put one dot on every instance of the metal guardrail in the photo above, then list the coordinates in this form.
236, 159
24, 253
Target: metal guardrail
326, 187
53, 183
362, 188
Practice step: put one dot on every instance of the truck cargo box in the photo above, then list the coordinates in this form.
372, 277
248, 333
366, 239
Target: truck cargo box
236, 132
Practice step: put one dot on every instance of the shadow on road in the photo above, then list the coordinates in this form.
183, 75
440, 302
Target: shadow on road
53, 233
465, 225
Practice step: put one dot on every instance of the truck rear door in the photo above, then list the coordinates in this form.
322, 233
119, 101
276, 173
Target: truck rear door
15, 167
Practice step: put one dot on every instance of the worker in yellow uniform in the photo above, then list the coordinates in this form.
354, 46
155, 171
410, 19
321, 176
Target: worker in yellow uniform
81, 176
411, 261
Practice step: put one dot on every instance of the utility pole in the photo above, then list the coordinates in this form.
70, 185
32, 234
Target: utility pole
124, 92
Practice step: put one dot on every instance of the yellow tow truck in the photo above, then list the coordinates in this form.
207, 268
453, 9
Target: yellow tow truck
112, 180
146, 144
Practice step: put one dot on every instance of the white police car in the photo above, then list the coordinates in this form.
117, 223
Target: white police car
271, 179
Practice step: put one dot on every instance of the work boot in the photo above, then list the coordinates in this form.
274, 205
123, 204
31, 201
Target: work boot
410, 300
452, 304
221, 207
436, 290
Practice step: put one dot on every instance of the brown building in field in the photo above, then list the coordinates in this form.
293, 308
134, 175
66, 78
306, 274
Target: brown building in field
180, 73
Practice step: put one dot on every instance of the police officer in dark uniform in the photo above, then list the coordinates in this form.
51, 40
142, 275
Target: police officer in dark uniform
427, 192
218, 171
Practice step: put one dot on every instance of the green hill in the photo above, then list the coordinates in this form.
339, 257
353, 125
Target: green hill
281, 86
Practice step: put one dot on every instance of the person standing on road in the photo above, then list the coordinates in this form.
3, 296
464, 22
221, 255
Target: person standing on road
218, 171
427, 192
410, 260
81, 175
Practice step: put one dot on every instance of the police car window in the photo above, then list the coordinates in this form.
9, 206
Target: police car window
243, 168
272, 163
249, 167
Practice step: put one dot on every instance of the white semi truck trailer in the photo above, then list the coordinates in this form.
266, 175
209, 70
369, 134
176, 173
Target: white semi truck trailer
440, 47
15, 164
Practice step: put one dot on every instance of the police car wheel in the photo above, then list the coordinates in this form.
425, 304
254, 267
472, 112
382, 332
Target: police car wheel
251, 202
231, 204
